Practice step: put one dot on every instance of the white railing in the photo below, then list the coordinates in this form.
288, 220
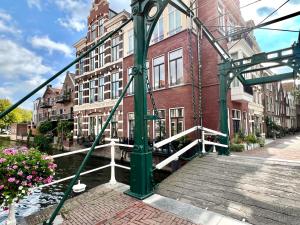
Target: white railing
204, 132
112, 164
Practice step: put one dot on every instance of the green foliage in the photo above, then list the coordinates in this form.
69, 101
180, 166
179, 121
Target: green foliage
238, 138
42, 142
251, 139
45, 127
65, 126
20, 170
8, 119
18, 115
261, 141
236, 147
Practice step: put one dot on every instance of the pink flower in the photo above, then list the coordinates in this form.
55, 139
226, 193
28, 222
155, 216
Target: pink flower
34, 172
29, 184
10, 151
20, 173
24, 183
15, 167
52, 166
46, 157
17, 181
2, 160
24, 149
11, 179
1, 187
29, 177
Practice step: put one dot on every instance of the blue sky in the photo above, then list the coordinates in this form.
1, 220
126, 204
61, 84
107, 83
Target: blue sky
36, 37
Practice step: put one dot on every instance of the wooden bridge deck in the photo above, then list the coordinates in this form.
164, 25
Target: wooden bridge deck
259, 190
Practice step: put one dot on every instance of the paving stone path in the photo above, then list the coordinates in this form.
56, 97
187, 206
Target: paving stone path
287, 148
264, 192
104, 205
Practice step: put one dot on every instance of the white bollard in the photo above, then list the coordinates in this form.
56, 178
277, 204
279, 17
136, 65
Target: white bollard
112, 164
214, 149
203, 142
11, 220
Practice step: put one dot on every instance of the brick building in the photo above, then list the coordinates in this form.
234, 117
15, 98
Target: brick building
56, 103
98, 81
101, 76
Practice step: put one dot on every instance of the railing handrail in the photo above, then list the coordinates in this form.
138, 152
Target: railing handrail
111, 164
186, 132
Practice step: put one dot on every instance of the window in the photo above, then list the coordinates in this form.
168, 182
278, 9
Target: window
130, 41
159, 72
101, 56
177, 120
235, 82
114, 127
101, 89
80, 94
176, 65
92, 91
236, 120
115, 49
79, 128
115, 85
99, 128
93, 31
221, 18
101, 27
158, 32
92, 125
131, 86
81, 70
174, 20
131, 125
92, 60
160, 126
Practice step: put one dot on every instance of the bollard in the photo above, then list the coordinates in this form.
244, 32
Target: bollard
112, 164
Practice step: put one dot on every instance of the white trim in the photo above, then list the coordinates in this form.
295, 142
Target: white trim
169, 83
183, 128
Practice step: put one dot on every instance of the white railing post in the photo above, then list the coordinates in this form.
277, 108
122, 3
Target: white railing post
112, 164
214, 149
203, 142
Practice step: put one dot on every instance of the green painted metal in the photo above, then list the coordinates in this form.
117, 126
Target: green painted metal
141, 176
270, 79
230, 69
88, 155
101, 41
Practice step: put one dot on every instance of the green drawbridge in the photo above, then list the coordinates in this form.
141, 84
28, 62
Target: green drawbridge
145, 15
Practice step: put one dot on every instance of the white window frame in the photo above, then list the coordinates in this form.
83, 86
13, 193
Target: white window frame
153, 79
165, 119
170, 118
169, 68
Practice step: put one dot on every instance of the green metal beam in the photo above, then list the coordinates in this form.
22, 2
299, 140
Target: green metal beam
87, 157
262, 68
270, 79
101, 41
182, 7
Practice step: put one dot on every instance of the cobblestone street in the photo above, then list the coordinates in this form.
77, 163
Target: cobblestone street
287, 148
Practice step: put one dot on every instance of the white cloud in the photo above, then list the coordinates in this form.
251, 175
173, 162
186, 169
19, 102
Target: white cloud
34, 3
76, 13
47, 43
17, 60
253, 12
7, 25
21, 71
5, 16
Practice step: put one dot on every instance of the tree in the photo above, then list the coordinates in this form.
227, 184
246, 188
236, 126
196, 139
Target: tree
8, 119
23, 115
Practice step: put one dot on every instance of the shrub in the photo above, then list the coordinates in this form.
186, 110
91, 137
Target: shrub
261, 142
20, 170
45, 127
236, 147
251, 139
42, 142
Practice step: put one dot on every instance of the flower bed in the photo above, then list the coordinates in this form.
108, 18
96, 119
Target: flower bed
20, 170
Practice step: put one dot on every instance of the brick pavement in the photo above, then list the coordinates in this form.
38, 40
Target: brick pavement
287, 148
104, 205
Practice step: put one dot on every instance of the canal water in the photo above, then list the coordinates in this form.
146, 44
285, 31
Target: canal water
67, 166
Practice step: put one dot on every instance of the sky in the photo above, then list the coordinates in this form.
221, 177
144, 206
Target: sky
37, 37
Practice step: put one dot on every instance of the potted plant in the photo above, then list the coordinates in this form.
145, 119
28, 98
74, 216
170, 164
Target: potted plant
20, 170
